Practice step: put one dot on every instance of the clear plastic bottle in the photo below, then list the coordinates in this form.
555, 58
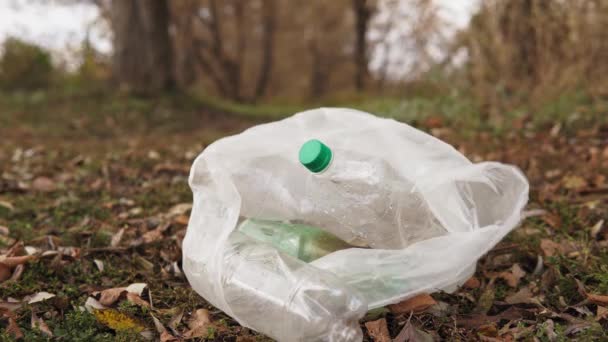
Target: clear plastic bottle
360, 199
298, 240
287, 298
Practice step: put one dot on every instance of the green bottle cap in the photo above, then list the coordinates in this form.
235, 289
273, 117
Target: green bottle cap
315, 155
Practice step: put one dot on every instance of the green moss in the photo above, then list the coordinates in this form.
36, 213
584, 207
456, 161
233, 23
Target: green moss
81, 326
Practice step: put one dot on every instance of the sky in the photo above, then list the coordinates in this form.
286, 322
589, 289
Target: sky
62, 28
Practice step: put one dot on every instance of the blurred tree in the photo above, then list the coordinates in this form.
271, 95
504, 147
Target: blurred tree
142, 58
232, 42
531, 52
24, 66
363, 14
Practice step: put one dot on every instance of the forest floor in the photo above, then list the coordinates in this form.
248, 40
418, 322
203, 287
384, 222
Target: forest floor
94, 198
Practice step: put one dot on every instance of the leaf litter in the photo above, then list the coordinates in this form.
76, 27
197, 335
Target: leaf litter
112, 218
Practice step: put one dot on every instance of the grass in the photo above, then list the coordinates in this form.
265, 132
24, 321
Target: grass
122, 162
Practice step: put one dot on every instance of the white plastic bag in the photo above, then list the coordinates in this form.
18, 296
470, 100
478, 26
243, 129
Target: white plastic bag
256, 174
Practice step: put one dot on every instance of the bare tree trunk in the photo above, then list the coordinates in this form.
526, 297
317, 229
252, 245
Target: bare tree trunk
142, 48
269, 25
362, 16
318, 71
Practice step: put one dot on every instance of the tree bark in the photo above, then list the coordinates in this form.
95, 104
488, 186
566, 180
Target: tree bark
142, 58
362, 16
269, 26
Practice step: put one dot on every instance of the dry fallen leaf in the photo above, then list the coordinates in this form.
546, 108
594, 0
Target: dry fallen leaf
39, 297
410, 333
597, 299
550, 330
175, 320
513, 276
486, 300
378, 330
16, 260
117, 237
166, 336
523, 296
553, 220
157, 324
181, 219
7, 205
136, 299
550, 247
99, 264
5, 272
198, 324
416, 304
472, 283
573, 182
43, 184
179, 209
137, 288
92, 304
13, 328
597, 229
38, 323
10, 306
601, 313
108, 297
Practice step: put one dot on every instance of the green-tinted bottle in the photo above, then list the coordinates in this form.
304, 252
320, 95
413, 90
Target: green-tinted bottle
301, 241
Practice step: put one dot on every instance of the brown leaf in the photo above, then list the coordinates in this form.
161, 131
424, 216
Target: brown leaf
136, 299
5, 272
550, 248
10, 306
17, 273
38, 323
378, 330
16, 260
487, 330
597, 299
416, 304
181, 219
602, 313
7, 205
175, 320
409, 333
553, 220
476, 320
472, 283
179, 209
523, 296
486, 300
152, 236
166, 336
44, 184
157, 324
13, 328
513, 276
198, 324
109, 296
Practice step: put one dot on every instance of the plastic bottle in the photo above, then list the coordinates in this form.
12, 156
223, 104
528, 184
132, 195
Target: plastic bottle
287, 298
377, 208
298, 240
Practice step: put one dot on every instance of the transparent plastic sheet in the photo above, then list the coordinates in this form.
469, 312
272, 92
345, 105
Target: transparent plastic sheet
256, 174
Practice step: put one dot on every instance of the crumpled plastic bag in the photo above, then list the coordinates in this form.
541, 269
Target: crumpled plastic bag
256, 174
